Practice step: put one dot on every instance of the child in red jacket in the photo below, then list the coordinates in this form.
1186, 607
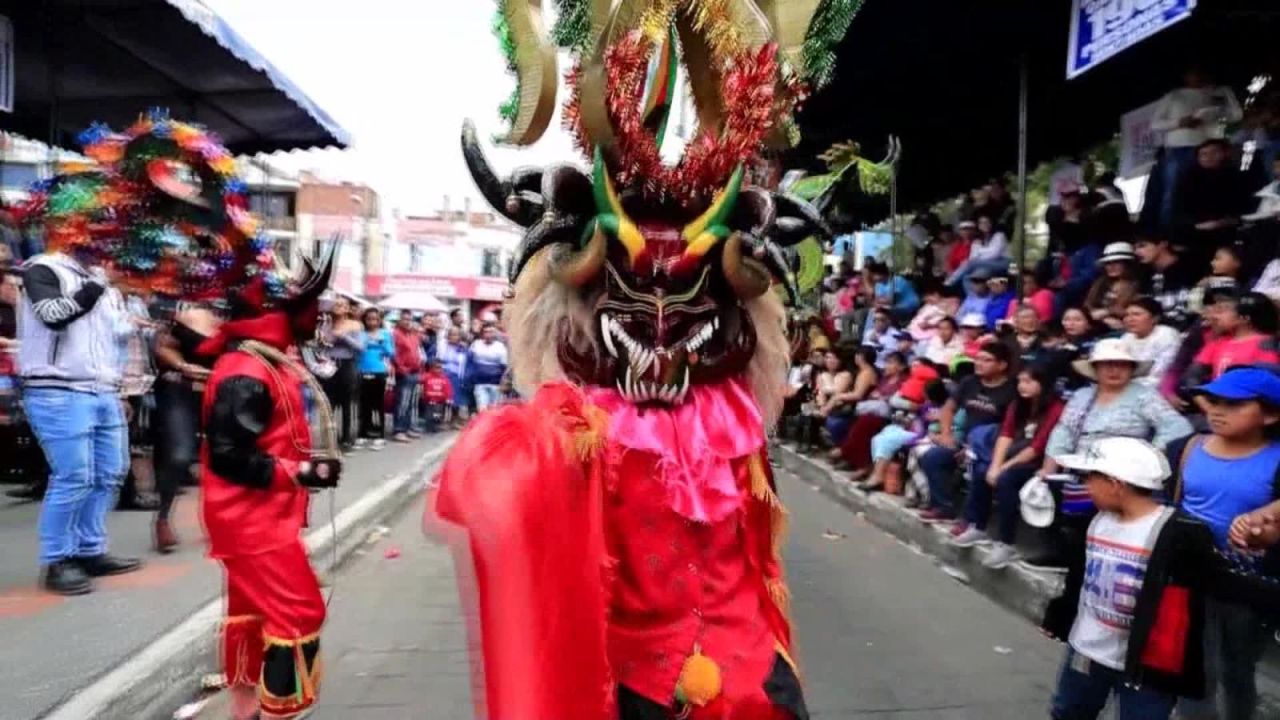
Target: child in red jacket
437, 395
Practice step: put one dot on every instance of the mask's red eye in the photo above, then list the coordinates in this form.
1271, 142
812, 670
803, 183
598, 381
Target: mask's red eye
177, 180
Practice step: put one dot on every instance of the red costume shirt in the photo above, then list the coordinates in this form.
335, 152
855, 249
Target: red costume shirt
436, 387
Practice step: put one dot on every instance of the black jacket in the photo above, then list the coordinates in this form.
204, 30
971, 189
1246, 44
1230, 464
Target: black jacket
1184, 568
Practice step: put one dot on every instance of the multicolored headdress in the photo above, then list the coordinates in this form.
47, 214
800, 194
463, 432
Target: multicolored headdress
165, 207
667, 258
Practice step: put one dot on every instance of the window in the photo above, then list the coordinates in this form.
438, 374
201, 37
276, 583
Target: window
415, 258
491, 263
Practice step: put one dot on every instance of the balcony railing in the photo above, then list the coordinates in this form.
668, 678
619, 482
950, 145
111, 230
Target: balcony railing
284, 223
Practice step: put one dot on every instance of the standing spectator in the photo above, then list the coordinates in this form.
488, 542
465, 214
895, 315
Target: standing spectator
179, 396
1068, 230
137, 376
1169, 279
984, 397
408, 367
345, 337
1111, 293
488, 363
1188, 116
373, 364
1133, 609
1212, 197
988, 252
1018, 453
70, 399
1228, 473
1149, 341
455, 359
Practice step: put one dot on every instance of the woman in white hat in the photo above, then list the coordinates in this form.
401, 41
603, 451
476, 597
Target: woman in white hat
1114, 405
1113, 290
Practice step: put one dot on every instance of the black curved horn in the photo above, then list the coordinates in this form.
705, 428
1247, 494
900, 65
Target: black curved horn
755, 211
797, 220
567, 190
500, 195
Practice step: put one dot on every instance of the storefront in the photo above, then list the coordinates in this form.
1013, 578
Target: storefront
473, 295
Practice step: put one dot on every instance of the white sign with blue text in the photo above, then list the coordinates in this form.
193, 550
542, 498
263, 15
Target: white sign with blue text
1100, 29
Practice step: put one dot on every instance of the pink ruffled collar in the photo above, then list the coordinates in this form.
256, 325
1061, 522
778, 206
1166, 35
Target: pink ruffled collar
694, 442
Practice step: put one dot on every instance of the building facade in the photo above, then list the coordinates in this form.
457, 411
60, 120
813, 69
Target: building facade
349, 214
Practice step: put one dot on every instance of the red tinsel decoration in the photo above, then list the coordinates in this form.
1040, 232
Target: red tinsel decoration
748, 91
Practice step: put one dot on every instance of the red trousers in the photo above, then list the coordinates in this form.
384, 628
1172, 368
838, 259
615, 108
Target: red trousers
856, 448
271, 635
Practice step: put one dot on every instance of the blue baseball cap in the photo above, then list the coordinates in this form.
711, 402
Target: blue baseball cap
1245, 383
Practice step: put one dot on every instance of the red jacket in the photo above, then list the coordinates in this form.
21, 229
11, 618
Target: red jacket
436, 387
256, 434
408, 360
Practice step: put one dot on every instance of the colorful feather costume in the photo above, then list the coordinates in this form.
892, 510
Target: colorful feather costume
621, 529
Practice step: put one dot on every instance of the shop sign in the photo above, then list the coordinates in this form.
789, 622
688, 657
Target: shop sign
1101, 29
460, 288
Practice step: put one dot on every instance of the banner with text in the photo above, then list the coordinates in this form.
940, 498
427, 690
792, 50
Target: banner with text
1100, 29
1138, 142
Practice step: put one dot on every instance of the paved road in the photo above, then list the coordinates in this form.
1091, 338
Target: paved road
883, 633
51, 646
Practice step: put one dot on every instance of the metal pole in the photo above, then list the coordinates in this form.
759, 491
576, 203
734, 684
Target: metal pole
1020, 232
893, 229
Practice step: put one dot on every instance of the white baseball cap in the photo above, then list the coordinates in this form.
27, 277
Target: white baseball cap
1129, 460
1037, 504
973, 320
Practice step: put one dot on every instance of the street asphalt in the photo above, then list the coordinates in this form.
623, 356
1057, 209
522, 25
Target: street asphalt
882, 632
53, 646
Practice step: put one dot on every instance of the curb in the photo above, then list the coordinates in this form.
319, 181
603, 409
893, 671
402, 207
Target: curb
1022, 591
168, 671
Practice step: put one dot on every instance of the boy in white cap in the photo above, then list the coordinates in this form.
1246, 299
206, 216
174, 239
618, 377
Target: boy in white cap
1132, 608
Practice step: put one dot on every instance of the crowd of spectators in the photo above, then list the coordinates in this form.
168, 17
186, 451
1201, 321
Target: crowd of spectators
957, 384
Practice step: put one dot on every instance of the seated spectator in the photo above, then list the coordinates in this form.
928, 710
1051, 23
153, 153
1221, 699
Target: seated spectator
1114, 405
1002, 298
973, 328
437, 395
800, 380
839, 410
1108, 219
984, 397
989, 251
1017, 456
894, 292
1066, 221
1111, 293
959, 252
881, 336
936, 307
938, 252
1211, 198
1034, 295
945, 345
1149, 341
1026, 341
1169, 278
832, 381
1245, 327
1228, 264
1079, 333
979, 295
999, 206
1229, 473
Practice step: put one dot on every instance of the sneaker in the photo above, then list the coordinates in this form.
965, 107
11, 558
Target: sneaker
360, 444
933, 515
377, 444
1051, 562
1000, 556
414, 434
400, 438
968, 537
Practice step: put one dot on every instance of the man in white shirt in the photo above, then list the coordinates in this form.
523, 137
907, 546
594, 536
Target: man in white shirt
1188, 116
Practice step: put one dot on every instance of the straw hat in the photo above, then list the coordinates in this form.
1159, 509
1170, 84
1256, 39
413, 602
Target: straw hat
1110, 350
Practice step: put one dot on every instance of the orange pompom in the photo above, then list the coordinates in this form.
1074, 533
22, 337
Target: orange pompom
699, 681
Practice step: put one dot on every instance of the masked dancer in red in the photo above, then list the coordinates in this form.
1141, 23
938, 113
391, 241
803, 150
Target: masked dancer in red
621, 528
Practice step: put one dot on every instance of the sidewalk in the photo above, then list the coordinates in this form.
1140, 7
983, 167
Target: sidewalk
53, 646
1017, 588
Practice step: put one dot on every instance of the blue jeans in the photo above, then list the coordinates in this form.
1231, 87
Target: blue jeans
406, 387
1084, 686
940, 464
966, 269
977, 507
838, 427
486, 395
85, 439
1234, 640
